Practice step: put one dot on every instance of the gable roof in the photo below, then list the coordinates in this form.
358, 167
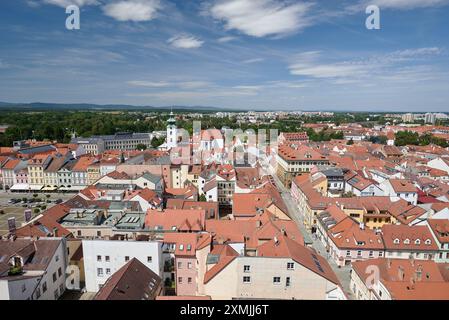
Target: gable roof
133, 281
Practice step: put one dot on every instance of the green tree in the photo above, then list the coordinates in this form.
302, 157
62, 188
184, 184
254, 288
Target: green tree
141, 146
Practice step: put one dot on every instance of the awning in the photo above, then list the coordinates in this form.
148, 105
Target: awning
20, 187
36, 187
49, 188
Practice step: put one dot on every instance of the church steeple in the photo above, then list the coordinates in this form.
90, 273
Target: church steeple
172, 131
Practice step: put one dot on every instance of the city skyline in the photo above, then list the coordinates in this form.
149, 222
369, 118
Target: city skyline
239, 54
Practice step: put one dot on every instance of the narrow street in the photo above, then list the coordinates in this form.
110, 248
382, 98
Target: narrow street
343, 273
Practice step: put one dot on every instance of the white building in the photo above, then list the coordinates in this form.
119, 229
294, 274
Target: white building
32, 269
102, 258
400, 189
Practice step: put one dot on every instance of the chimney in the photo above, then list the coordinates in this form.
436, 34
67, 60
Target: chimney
401, 273
412, 260
418, 273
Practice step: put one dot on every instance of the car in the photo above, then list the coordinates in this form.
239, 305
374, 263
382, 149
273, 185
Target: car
58, 201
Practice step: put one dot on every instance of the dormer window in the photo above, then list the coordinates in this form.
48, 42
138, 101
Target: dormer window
417, 242
427, 242
396, 241
181, 247
407, 241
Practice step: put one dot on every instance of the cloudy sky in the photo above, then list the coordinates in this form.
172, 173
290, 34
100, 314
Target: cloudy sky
251, 54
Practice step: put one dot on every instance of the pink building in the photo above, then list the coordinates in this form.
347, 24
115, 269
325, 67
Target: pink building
22, 176
189, 252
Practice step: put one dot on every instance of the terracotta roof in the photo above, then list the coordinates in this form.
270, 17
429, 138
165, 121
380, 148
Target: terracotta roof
283, 247
407, 279
250, 204
46, 224
226, 255
300, 153
400, 185
181, 220
187, 243
440, 228
415, 235
347, 234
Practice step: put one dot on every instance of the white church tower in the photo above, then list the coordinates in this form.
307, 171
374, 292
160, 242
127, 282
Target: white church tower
172, 132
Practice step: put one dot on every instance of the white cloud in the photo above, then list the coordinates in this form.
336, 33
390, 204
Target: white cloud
255, 60
150, 84
260, 18
226, 39
66, 3
164, 84
410, 65
132, 10
185, 42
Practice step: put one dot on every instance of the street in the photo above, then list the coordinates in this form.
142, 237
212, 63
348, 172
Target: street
343, 273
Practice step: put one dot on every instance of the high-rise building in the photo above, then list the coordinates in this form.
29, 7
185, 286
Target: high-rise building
408, 117
430, 118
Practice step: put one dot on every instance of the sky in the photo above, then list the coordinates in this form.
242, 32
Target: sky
245, 54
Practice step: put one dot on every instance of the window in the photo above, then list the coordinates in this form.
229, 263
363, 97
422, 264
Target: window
149, 259
189, 265
99, 272
78, 233
189, 280
126, 258
44, 287
59, 272
246, 279
99, 258
107, 258
108, 271
179, 279
276, 280
370, 254
348, 253
381, 253
54, 277
246, 268
57, 258
179, 265
98, 233
287, 282
290, 265
359, 253
56, 294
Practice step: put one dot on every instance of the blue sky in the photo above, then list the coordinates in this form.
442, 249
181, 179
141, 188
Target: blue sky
250, 54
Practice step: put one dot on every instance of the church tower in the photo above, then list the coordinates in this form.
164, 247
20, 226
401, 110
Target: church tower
172, 131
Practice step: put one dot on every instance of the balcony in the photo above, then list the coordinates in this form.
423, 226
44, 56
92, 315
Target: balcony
15, 271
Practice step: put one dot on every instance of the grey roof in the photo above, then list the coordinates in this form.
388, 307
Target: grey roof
38, 149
